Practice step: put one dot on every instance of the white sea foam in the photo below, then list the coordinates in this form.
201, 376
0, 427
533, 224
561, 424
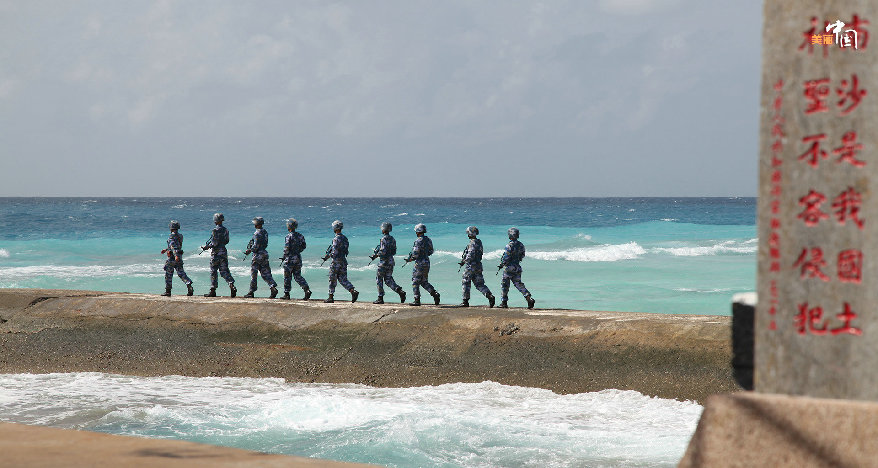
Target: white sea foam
4, 253
724, 247
670, 219
471, 424
707, 291
598, 253
401, 214
583, 236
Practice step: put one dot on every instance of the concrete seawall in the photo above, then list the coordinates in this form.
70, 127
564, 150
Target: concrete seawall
670, 356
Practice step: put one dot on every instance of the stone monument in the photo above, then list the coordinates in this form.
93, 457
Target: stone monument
817, 313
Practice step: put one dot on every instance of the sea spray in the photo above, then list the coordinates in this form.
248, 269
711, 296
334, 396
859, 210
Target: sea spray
463, 424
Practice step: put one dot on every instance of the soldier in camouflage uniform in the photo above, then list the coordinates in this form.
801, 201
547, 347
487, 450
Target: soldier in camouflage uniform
292, 260
385, 250
175, 260
511, 260
472, 273
420, 254
338, 270
259, 264
219, 256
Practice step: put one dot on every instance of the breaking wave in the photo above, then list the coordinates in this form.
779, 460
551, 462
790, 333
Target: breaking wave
4, 253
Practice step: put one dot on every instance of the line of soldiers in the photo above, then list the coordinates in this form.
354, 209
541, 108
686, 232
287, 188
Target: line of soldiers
294, 244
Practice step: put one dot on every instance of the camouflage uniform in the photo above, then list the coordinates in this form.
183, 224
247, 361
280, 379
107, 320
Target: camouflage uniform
421, 251
259, 264
175, 249
511, 258
219, 256
385, 251
293, 247
472, 273
338, 270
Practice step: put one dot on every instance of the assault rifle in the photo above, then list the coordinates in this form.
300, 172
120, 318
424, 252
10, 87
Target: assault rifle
247, 250
326, 256
462, 259
205, 247
374, 254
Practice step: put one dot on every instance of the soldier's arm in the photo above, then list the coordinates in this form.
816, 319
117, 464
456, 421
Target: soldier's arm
287, 246
302, 238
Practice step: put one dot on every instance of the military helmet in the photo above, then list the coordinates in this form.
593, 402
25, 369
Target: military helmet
292, 223
420, 228
386, 227
174, 224
513, 233
258, 220
472, 231
337, 225
218, 217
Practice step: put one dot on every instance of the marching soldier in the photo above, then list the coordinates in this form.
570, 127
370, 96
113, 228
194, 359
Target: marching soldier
385, 250
219, 256
471, 260
338, 269
292, 260
511, 260
259, 264
420, 254
175, 260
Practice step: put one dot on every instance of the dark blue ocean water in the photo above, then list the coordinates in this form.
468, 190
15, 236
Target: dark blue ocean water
667, 255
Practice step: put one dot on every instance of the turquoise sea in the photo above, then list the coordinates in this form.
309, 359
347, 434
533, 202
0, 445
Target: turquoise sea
664, 255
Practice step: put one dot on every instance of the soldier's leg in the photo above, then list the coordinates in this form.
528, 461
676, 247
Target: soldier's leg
288, 277
169, 272
214, 270
265, 271
297, 275
516, 280
425, 281
379, 280
416, 282
504, 287
467, 277
333, 279
254, 273
479, 281
182, 274
389, 281
343, 278
224, 271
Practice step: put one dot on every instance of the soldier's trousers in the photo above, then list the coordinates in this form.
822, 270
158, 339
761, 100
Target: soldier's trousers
474, 277
420, 273
260, 266
170, 266
220, 263
338, 272
512, 273
293, 269
385, 275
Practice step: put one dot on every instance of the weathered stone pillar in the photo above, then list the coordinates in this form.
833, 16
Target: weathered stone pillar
817, 316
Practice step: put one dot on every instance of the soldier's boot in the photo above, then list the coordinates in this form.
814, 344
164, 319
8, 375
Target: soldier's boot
354, 295
167, 291
212, 293
189, 289
503, 305
401, 295
415, 302
491, 299
329, 299
464, 303
530, 301
307, 295
435, 297
250, 293
233, 289
286, 296
273, 292
380, 300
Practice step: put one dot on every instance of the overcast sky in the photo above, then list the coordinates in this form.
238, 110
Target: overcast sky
379, 98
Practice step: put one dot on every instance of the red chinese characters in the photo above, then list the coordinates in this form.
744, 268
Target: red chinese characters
846, 207
812, 214
850, 266
816, 93
848, 150
810, 262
